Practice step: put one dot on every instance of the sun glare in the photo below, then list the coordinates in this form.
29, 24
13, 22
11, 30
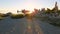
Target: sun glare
29, 6
30, 10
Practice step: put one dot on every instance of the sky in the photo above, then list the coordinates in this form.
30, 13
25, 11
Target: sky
14, 5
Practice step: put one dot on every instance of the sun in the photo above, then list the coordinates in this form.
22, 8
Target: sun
30, 10
29, 6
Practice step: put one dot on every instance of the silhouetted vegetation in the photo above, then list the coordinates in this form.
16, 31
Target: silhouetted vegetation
55, 22
17, 16
8, 14
4, 15
51, 16
1, 18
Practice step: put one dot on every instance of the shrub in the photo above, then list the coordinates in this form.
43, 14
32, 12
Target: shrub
17, 16
1, 18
